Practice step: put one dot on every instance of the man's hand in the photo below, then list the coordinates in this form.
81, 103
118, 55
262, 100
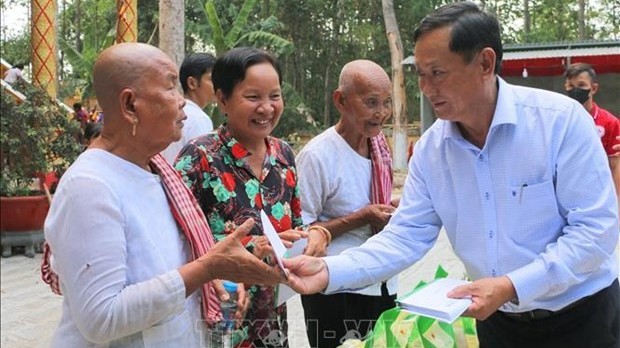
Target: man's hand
230, 260
487, 294
308, 275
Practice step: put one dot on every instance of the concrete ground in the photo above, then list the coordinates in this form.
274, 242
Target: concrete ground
30, 312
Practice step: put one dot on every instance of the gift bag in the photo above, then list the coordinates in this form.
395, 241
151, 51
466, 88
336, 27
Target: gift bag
398, 328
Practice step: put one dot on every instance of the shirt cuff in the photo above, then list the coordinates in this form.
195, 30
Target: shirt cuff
339, 269
174, 285
530, 282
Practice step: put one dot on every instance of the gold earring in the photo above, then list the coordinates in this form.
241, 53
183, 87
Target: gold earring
135, 124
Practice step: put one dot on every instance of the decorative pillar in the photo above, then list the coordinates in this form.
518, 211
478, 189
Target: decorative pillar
44, 47
127, 23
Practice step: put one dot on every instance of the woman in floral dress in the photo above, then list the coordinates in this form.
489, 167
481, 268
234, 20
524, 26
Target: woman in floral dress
239, 170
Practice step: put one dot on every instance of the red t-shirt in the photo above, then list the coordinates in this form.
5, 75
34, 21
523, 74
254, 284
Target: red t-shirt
608, 127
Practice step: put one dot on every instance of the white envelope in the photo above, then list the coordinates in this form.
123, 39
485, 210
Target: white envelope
283, 292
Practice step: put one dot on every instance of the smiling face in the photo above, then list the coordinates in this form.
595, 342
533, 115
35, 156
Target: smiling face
255, 105
365, 100
452, 86
159, 105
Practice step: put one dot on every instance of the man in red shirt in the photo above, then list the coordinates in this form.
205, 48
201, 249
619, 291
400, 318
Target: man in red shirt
581, 85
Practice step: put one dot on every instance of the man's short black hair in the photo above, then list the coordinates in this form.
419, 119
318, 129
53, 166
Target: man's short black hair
578, 68
472, 30
195, 65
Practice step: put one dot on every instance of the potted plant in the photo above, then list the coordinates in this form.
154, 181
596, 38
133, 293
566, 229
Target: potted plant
38, 141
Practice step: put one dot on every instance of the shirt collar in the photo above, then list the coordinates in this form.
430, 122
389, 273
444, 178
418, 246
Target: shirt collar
594, 111
505, 111
239, 152
191, 103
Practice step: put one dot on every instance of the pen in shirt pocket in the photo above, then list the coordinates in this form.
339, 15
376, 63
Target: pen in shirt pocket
521, 192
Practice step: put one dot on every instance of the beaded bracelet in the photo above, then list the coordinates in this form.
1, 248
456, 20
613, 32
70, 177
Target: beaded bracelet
325, 231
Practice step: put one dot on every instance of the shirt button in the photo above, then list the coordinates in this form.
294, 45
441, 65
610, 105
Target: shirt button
487, 195
491, 234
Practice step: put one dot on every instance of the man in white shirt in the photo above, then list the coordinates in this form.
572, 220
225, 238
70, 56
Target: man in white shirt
518, 179
195, 76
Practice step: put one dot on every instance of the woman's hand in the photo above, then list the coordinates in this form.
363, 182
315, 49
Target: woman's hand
243, 304
317, 243
243, 300
262, 248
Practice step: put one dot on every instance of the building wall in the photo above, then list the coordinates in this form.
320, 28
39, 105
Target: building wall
608, 96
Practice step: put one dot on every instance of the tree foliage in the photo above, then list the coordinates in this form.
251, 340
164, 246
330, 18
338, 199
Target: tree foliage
312, 38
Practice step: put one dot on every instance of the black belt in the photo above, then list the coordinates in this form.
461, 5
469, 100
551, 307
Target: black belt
538, 314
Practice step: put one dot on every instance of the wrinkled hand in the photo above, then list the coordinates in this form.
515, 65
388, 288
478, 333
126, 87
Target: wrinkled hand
230, 260
317, 243
377, 215
487, 294
307, 274
262, 248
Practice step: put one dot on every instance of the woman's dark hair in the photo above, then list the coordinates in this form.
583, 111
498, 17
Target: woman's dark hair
472, 30
195, 65
230, 68
92, 130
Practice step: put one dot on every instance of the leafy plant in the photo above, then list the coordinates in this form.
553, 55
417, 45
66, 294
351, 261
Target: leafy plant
36, 136
236, 36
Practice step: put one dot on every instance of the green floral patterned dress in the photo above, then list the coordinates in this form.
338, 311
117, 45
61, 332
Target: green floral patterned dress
215, 168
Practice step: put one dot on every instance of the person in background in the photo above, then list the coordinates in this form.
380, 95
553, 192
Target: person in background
581, 84
351, 207
518, 179
95, 115
195, 76
91, 132
240, 170
129, 244
13, 74
81, 115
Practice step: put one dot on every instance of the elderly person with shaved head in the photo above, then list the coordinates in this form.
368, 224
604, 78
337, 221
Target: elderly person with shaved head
130, 245
345, 182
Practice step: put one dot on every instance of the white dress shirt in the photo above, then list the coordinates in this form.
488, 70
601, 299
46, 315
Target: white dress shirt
197, 123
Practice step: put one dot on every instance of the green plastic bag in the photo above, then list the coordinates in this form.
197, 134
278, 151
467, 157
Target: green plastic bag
398, 328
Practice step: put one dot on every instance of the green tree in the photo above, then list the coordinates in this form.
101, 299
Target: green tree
238, 34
